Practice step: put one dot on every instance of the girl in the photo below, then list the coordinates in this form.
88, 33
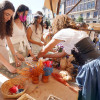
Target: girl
6, 13
46, 32
19, 38
34, 33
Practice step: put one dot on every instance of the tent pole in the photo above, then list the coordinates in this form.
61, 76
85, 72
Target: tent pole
51, 7
58, 8
73, 7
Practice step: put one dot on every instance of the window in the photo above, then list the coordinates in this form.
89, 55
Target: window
59, 13
68, 1
94, 21
75, 1
60, 6
82, 7
88, 15
72, 16
95, 14
66, 10
78, 8
72, 2
93, 4
81, 15
82, 1
85, 6
75, 8
89, 5
87, 21
69, 8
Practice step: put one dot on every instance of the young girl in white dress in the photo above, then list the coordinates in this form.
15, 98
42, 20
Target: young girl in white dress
6, 13
19, 38
35, 33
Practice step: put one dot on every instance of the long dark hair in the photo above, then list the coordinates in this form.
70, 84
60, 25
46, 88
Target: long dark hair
35, 21
47, 25
5, 27
21, 8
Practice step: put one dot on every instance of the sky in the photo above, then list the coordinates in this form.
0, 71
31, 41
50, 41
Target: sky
34, 5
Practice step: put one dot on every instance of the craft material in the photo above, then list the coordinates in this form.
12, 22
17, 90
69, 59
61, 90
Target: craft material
26, 97
60, 79
52, 97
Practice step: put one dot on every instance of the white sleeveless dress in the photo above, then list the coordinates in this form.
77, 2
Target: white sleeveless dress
36, 37
19, 41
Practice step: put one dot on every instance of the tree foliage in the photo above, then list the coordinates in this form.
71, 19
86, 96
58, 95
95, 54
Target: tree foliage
80, 19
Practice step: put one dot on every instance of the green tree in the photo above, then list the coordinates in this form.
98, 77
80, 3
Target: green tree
80, 19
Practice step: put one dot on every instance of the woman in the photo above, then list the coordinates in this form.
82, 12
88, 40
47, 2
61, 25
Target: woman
46, 32
84, 51
19, 38
90, 33
6, 13
34, 33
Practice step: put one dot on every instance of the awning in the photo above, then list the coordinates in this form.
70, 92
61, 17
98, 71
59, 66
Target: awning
48, 5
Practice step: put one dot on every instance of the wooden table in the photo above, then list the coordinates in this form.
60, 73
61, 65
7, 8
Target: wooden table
42, 90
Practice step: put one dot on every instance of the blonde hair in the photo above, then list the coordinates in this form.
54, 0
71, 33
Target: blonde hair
62, 21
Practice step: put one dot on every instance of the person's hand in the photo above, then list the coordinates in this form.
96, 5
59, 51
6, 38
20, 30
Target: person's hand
30, 53
18, 62
35, 58
12, 69
45, 43
20, 57
45, 56
41, 44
